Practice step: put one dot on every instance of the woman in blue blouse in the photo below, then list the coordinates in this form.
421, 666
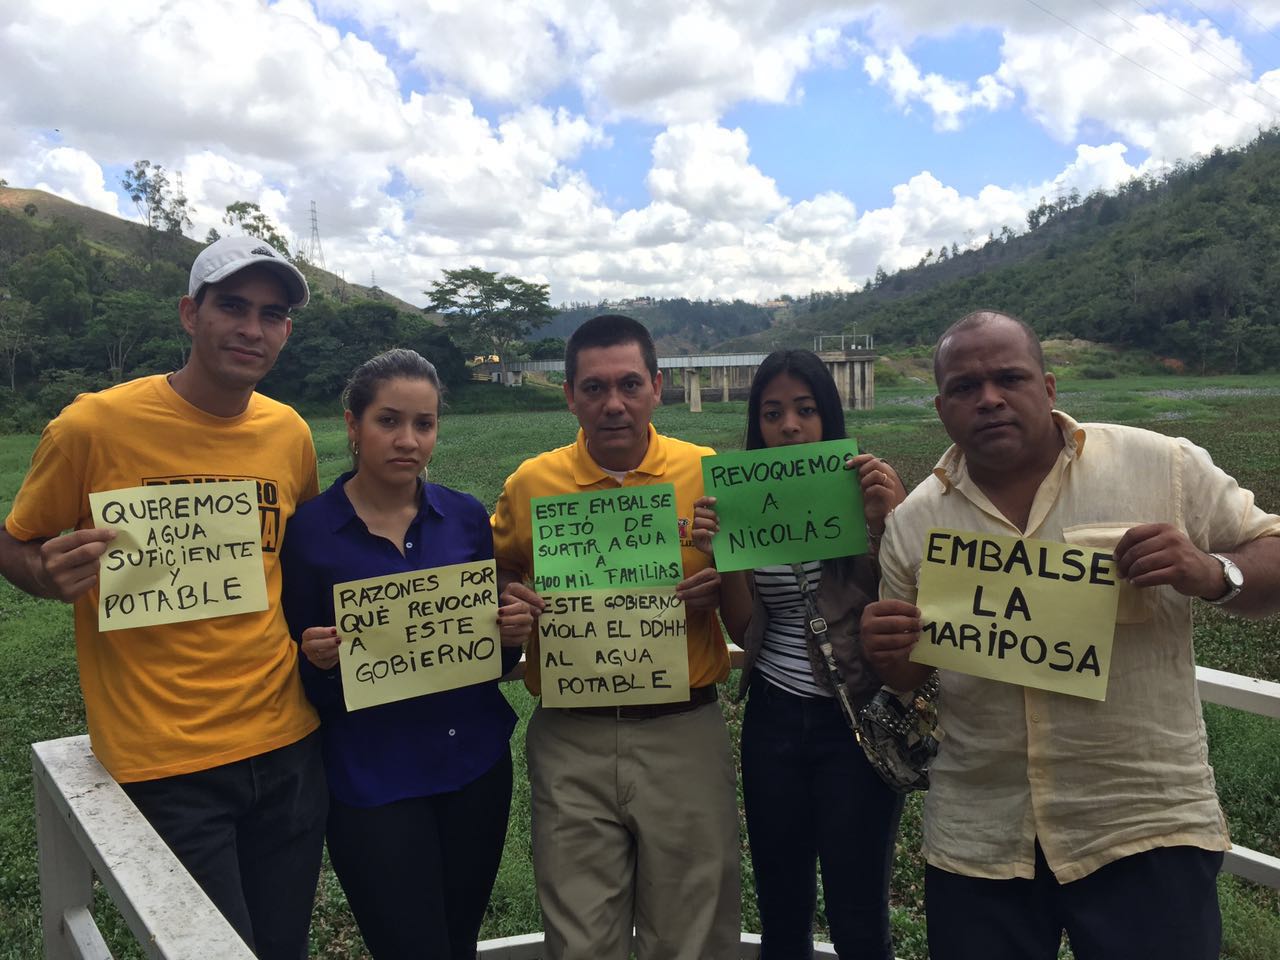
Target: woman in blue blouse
420, 789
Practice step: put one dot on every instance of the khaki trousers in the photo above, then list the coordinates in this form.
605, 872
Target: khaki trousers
635, 823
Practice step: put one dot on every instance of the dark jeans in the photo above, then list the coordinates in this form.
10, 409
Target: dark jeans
1161, 903
250, 833
811, 796
418, 872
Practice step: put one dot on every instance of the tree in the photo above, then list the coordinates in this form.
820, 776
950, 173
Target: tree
250, 218
30, 209
125, 320
488, 313
146, 186
1238, 331
58, 284
164, 213
212, 236
17, 333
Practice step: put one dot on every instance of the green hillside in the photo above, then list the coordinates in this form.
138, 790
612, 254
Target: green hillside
88, 299
1171, 273
1182, 266
114, 236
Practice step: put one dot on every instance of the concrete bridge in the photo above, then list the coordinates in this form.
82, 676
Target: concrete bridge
730, 374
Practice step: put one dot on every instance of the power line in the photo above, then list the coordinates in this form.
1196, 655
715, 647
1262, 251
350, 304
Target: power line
1197, 41
1178, 53
1249, 13
1221, 28
1202, 42
1140, 66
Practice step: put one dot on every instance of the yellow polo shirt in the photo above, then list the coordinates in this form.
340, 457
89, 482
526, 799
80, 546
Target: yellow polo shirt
1094, 781
570, 469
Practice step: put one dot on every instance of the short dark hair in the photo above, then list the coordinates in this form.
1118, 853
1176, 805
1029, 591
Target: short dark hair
980, 318
803, 365
609, 330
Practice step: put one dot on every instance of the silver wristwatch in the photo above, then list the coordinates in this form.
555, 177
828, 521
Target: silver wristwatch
1232, 577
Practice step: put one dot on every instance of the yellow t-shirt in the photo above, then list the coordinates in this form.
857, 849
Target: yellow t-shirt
177, 698
570, 469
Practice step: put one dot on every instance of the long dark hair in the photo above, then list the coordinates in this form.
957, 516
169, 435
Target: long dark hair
803, 365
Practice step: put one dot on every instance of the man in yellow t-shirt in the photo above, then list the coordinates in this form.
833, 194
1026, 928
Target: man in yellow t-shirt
635, 821
204, 723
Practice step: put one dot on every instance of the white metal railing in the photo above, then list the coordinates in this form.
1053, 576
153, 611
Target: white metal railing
86, 826
529, 947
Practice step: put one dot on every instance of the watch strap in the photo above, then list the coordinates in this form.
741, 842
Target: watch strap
1233, 584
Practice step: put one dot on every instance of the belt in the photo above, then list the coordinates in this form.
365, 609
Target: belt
698, 697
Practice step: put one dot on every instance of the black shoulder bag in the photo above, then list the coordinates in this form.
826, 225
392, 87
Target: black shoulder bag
898, 732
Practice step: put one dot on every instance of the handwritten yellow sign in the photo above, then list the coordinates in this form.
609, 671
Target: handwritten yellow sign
1031, 612
613, 648
181, 553
420, 632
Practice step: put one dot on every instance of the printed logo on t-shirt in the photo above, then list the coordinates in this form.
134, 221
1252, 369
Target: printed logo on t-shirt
685, 526
268, 501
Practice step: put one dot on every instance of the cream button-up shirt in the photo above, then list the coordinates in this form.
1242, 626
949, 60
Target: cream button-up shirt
1093, 781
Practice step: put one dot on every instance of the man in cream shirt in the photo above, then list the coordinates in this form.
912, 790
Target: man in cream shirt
1050, 812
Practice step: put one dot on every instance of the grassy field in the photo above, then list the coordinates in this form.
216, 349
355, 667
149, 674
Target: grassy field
1236, 419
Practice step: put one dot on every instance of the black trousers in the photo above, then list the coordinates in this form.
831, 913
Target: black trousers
250, 833
418, 872
811, 796
1162, 903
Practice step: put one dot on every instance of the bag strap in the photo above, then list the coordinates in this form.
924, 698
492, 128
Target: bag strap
818, 629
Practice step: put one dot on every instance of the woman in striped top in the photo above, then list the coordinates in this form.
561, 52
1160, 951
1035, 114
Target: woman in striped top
810, 794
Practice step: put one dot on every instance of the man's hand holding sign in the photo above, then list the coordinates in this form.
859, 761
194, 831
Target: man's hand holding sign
66, 567
970, 605
1032, 612
180, 553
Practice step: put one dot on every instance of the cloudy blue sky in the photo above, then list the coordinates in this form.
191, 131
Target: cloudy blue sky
614, 148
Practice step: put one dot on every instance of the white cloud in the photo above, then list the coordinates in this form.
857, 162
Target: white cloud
1187, 96
947, 99
668, 61
704, 168
826, 215
68, 173
439, 134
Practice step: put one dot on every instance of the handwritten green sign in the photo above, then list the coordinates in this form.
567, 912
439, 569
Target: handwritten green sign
615, 647
624, 537
786, 504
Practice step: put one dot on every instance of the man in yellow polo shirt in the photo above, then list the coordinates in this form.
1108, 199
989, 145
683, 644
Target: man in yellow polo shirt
1048, 811
634, 809
204, 723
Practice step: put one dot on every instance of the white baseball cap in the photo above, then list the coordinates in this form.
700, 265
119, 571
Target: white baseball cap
230, 255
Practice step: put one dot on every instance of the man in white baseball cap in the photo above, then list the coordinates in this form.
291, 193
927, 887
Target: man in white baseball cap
203, 723
230, 255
